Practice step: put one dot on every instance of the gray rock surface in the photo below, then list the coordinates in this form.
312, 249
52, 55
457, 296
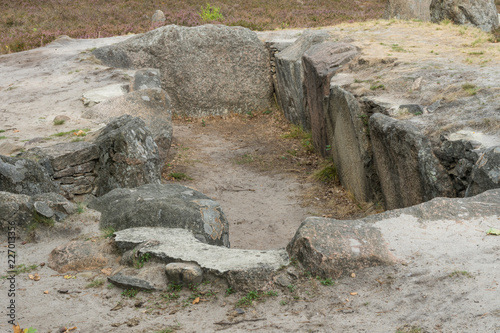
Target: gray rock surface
158, 17
24, 176
148, 78
321, 61
19, 210
290, 77
347, 128
409, 171
150, 277
482, 14
16, 210
77, 256
209, 69
243, 269
128, 155
65, 155
98, 95
408, 9
151, 105
331, 248
486, 172
184, 273
169, 206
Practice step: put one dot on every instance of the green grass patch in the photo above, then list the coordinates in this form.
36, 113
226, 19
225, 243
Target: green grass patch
59, 122
296, 132
179, 176
3, 137
248, 299
108, 232
327, 173
130, 293
20, 269
460, 273
76, 132
95, 284
471, 89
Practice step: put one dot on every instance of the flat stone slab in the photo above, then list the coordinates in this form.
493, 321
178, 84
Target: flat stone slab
243, 269
98, 95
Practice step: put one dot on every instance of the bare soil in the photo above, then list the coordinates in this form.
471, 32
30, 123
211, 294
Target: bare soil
258, 168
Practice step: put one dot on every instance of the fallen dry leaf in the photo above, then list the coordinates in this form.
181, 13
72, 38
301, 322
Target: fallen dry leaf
353, 275
353, 294
107, 271
68, 276
35, 277
46, 292
17, 328
15, 131
196, 300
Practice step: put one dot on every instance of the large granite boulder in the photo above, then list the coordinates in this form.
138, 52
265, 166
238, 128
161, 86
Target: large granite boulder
409, 171
408, 9
321, 62
150, 104
290, 77
331, 248
242, 269
486, 172
24, 176
480, 13
169, 206
128, 155
209, 69
347, 126
148, 78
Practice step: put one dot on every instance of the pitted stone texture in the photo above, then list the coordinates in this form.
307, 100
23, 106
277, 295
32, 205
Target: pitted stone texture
206, 70
158, 17
128, 155
24, 176
321, 62
151, 105
331, 248
147, 79
290, 77
98, 95
408, 170
480, 13
77, 256
16, 210
350, 146
149, 277
243, 269
408, 10
486, 172
184, 273
70, 154
169, 206
43, 209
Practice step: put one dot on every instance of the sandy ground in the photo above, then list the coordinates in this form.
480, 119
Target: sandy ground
446, 279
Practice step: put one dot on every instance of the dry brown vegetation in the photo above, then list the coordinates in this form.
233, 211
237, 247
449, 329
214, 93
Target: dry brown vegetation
27, 24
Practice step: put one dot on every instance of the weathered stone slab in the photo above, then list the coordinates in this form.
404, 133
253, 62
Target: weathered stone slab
347, 128
77, 256
169, 206
408, 10
482, 14
320, 62
128, 155
151, 277
16, 210
331, 248
73, 170
65, 155
486, 172
98, 95
408, 170
24, 176
217, 69
290, 77
243, 269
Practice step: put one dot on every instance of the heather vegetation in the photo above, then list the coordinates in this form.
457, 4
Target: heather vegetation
27, 24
